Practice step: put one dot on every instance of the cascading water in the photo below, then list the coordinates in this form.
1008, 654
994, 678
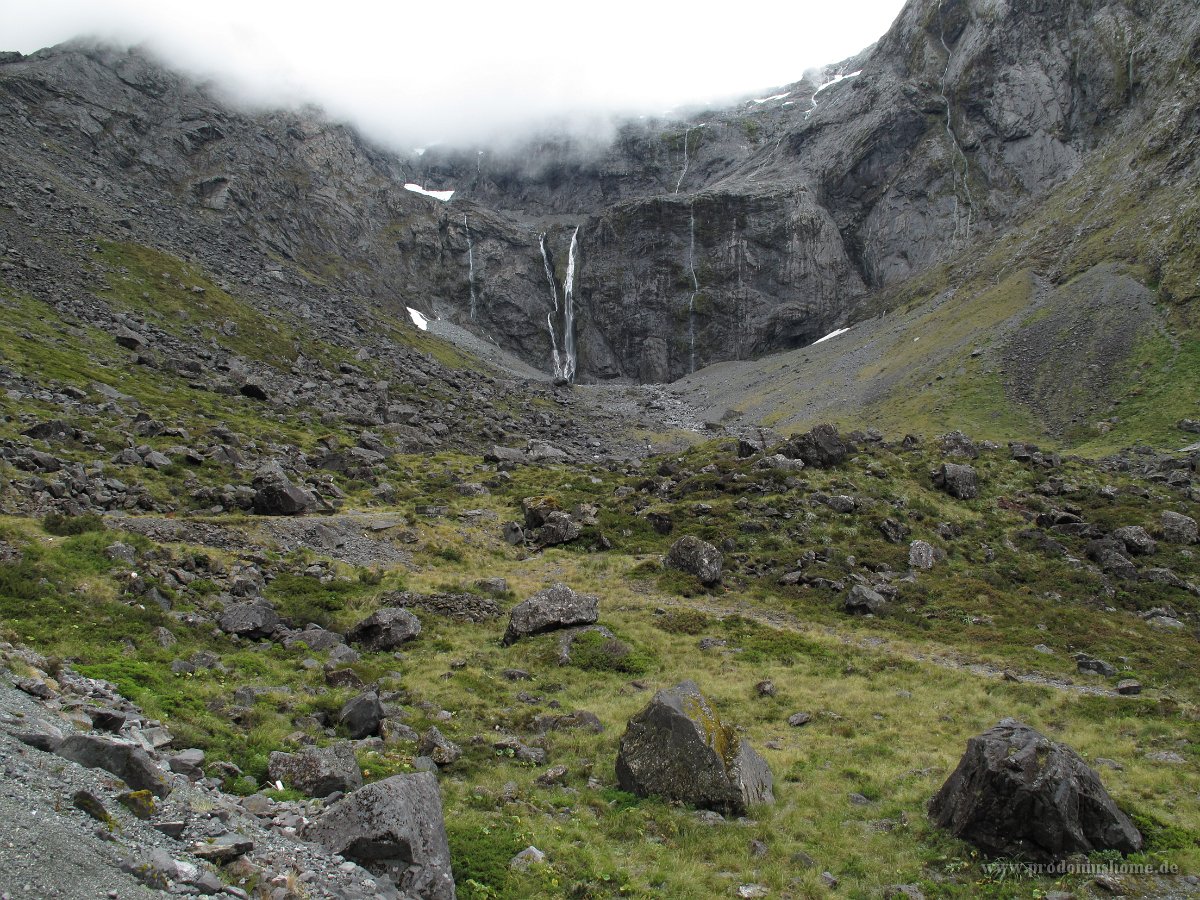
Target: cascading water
691, 264
569, 314
551, 315
966, 178
686, 132
565, 362
470, 268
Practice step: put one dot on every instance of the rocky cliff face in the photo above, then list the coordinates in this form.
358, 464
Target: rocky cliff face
732, 234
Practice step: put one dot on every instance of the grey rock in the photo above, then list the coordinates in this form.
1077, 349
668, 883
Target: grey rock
439, 748
393, 828
922, 555
362, 715
249, 620
555, 607
959, 481
696, 557
1016, 793
385, 629
1091, 664
129, 763
861, 600
317, 771
1136, 540
1178, 528
283, 500
822, 447
678, 748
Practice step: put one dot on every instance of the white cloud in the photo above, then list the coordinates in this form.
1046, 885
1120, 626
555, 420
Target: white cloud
412, 74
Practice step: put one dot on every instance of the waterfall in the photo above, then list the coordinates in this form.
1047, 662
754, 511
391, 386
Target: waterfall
564, 362
470, 267
691, 265
686, 132
569, 314
550, 315
966, 181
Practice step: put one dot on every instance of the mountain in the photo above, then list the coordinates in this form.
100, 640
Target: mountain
658, 515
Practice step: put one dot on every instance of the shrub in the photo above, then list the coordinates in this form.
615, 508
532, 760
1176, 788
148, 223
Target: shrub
594, 652
684, 621
66, 526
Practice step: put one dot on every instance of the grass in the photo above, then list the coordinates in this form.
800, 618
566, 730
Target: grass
887, 723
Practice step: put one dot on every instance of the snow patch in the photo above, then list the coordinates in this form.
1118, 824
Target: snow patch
419, 318
831, 334
783, 96
436, 195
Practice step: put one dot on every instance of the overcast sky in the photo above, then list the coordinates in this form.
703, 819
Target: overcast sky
412, 73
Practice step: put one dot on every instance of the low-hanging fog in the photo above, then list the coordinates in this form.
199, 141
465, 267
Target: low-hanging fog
413, 74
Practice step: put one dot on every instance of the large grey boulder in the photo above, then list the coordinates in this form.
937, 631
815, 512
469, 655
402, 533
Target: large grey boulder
1017, 793
863, 601
249, 620
678, 748
129, 763
1136, 540
960, 482
317, 771
822, 447
385, 629
555, 607
283, 500
362, 715
696, 557
393, 828
1179, 529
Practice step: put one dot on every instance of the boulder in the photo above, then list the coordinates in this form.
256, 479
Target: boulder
1179, 529
385, 629
678, 748
1017, 793
314, 637
553, 608
393, 828
559, 528
362, 715
249, 620
1109, 555
317, 771
862, 600
1136, 540
126, 761
438, 747
959, 481
696, 557
282, 500
922, 555
822, 447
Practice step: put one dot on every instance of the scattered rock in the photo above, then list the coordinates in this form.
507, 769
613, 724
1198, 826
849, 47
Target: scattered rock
1179, 529
678, 748
362, 715
822, 447
249, 620
862, 601
1129, 687
393, 828
439, 748
126, 761
385, 630
317, 771
1016, 793
959, 481
798, 719
555, 607
696, 557
530, 856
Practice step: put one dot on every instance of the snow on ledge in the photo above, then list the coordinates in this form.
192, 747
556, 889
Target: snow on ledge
783, 96
436, 195
419, 318
831, 334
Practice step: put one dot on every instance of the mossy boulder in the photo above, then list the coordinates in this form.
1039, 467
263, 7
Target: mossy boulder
678, 748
